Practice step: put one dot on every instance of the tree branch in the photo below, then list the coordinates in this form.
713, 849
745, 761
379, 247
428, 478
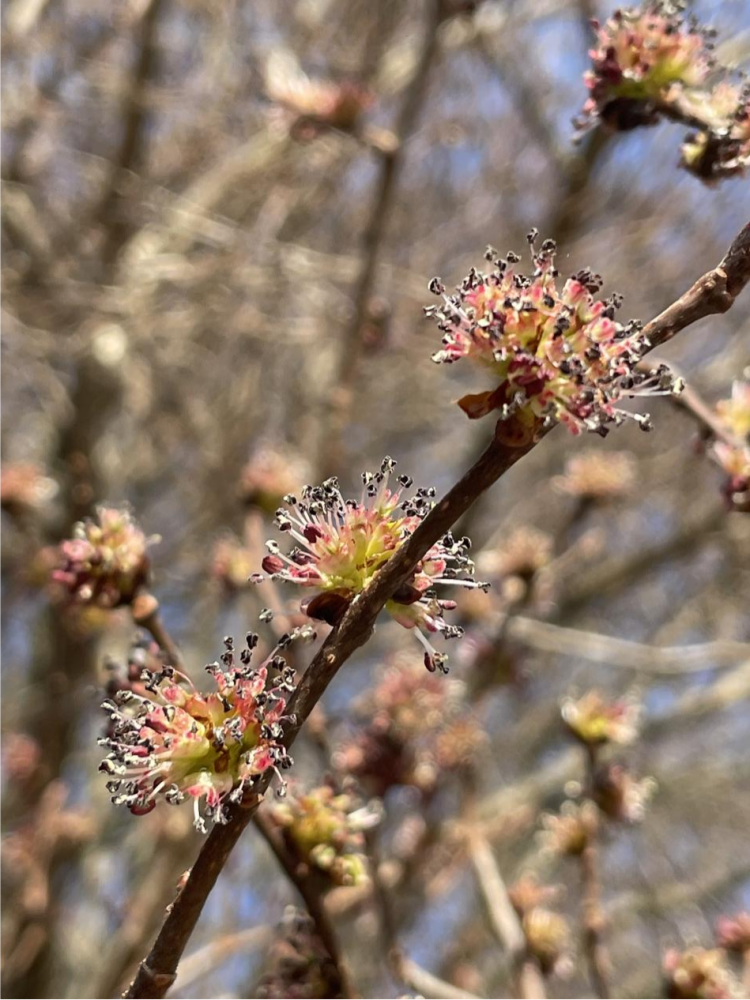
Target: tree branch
503, 918
312, 890
340, 392
591, 903
712, 293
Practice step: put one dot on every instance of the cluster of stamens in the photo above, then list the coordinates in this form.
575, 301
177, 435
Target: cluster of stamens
341, 544
172, 741
642, 56
105, 562
326, 828
557, 355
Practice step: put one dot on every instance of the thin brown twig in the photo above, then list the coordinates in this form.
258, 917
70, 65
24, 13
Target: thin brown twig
713, 293
145, 612
706, 417
206, 959
312, 889
170, 854
703, 414
405, 970
340, 395
131, 152
614, 652
203, 961
504, 919
430, 985
591, 902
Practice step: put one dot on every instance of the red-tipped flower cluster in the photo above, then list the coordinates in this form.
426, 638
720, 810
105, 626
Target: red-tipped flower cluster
341, 544
734, 455
105, 563
557, 355
414, 728
173, 741
722, 148
641, 57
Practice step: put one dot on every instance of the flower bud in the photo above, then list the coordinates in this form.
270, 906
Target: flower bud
105, 563
593, 720
325, 830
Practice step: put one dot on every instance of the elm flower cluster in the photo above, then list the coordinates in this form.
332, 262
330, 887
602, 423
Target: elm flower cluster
734, 456
698, 974
522, 552
316, 102
231, 564
548, 935
593, 720
568, 833
413, 728
24, 487
173, 741
722, 147
557, 355
733, 933
326, 829
341, 544
268, 475
596, 477
105, 563
642, 56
